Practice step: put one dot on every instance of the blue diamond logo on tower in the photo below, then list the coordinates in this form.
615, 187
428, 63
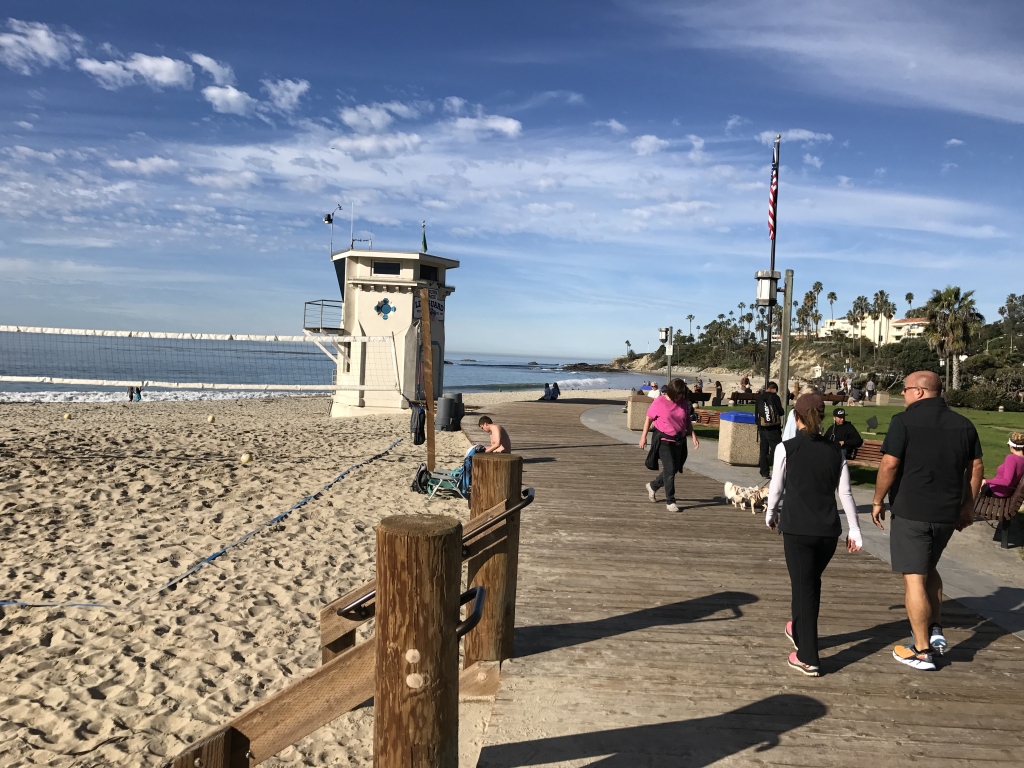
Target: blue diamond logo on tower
385, 307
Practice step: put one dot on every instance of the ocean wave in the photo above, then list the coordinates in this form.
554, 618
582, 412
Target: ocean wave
158, 396
590, 383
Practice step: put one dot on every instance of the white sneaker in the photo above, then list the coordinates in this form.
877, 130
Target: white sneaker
672, 507
651, 493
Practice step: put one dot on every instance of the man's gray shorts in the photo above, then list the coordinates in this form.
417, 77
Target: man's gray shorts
916, 547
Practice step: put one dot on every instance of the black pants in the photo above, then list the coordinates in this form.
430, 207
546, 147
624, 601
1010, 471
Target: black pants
806, 558
768, 439
672, 457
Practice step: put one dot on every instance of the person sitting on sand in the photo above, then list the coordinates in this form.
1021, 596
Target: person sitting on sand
547, 392
555, 391
500, 442
1010, 472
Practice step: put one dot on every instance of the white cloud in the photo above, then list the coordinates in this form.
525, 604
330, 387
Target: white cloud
365, 118
455, 105
27, 153
25, 125
487, 124
696, 154
844, 181
228, 100
793, 134
285, 94
880, 172
954, 143
612, 125
145, 166
734, 121
962, 58
155, 71
31, 46
571, 98
673, 210
648, 144
947, 167
387, 145
400, 109
221, 73
226, 180
810, 159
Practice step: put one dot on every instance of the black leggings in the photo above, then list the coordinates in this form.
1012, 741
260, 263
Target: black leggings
806, 558
672, 457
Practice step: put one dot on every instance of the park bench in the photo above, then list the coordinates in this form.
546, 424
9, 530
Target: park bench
868, 455
707, 418
744, 398
835, 399
1000, 511
699, 397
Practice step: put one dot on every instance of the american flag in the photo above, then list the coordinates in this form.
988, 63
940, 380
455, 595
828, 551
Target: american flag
773, 192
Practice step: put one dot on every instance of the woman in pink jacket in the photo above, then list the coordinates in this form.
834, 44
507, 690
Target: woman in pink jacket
669, 414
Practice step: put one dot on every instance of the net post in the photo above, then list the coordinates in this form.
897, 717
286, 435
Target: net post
416, 702
496, 477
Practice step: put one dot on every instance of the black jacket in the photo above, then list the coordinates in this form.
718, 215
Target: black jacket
769, 408
848, 435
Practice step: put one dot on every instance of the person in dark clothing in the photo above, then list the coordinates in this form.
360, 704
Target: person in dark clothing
809, 470
769, 412
844, 433
555, 391
932, 470
669, 416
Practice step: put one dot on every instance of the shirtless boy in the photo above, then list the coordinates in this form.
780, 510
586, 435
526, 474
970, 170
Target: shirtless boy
499, 437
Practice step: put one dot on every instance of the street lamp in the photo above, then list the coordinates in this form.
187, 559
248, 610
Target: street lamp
329, 219
665, 334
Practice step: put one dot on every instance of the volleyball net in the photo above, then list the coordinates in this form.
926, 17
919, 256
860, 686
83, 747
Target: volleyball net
31, 357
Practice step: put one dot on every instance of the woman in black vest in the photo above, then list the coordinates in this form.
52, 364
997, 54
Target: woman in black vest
808, 472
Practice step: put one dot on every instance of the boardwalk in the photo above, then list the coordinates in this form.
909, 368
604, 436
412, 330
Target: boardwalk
648, 638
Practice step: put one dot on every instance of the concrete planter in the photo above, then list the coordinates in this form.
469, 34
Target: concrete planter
737, 444
636, 411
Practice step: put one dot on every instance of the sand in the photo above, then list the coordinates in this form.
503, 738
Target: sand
114, 502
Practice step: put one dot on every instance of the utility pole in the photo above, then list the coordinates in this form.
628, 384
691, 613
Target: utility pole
786, 322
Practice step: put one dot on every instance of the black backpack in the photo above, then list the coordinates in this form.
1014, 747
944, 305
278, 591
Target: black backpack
419, 482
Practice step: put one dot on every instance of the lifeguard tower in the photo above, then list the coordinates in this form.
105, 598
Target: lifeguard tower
380, 297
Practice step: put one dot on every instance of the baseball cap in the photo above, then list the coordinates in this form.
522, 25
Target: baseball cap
840, 412
809, 402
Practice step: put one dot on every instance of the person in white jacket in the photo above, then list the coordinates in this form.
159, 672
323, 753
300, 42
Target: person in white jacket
808, 472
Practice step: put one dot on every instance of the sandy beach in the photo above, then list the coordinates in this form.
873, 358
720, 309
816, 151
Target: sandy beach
112, 503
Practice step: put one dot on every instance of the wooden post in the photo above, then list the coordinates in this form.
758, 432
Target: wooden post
428, 373
497, 477
416, 717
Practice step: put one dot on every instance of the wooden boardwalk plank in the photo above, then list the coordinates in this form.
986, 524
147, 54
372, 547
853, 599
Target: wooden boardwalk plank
649, 638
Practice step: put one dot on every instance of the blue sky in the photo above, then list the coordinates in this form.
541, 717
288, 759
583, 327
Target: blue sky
599, 168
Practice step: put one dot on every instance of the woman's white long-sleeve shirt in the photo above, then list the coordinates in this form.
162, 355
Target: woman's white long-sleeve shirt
845, 494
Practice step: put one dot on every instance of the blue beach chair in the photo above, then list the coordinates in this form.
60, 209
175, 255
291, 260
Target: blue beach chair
456, 481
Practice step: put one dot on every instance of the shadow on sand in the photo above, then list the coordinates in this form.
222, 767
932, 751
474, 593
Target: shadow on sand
691, 743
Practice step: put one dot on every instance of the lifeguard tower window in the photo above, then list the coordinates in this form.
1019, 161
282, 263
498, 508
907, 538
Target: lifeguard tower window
428, 272
387, 268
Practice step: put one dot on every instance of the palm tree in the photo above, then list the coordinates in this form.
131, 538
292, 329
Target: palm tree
627, 348
861, 307
690, 319
909, 298
832, 299
879, 308
953, 318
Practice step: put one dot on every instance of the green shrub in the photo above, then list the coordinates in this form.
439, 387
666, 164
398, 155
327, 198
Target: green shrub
956, 398
984, 397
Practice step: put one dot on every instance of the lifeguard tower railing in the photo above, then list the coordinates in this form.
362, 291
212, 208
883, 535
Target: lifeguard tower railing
323, 316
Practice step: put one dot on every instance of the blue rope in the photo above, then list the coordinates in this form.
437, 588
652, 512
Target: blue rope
211, 557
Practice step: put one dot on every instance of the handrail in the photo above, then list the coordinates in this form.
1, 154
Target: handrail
478, 595
528, 497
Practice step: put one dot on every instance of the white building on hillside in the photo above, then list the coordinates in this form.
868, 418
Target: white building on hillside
880, 331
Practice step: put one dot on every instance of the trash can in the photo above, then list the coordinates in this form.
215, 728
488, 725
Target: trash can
445, 416
636, 411
737, 439
459, 410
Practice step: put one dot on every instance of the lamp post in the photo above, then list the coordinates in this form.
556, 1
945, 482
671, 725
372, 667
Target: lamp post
329, 219
665, 334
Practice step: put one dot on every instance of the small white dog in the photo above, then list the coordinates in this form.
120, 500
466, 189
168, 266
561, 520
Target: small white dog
754, 495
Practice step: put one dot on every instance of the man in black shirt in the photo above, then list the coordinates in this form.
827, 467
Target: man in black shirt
844, 433
932, 471
769, 412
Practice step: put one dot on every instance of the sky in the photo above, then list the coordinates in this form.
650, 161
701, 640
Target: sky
600, 169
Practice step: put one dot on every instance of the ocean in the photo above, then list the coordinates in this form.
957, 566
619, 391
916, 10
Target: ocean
138, 359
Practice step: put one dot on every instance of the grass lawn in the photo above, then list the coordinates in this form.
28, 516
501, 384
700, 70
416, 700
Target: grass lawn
993, 429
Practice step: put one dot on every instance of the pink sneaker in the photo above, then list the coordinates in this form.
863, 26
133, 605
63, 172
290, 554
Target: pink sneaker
807, 669
789, 634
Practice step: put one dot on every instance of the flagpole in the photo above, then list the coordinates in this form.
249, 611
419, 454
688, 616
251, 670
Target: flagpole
773, 213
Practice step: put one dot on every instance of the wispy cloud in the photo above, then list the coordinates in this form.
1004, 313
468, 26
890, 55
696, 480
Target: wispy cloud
228, 180
801, 135
810, 159
734, 121
145, 166
221, 73
285, 94
571, 98
228, 100
30, 46
155, 71
954, 143
612, 125
484, 124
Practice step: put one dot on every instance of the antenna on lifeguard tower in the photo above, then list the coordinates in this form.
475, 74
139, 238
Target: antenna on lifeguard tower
423, 245
351, 226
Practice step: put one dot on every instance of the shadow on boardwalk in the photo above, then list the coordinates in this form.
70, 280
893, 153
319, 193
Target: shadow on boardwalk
691, 743
548, 637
